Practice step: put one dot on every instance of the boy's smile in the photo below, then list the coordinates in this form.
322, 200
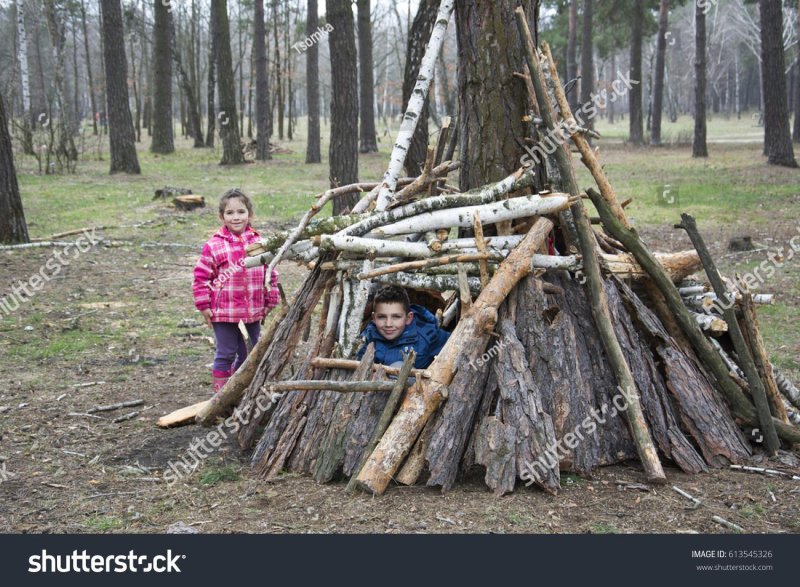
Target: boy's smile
391, 319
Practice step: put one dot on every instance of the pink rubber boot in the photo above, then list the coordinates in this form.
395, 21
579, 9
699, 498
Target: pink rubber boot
220, 378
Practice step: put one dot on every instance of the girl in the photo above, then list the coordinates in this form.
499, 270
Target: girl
225, 291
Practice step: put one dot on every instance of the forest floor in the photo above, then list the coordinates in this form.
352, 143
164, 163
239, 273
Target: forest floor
118, 324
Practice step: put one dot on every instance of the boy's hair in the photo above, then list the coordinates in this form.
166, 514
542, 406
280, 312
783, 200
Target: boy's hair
232, 194
389, 294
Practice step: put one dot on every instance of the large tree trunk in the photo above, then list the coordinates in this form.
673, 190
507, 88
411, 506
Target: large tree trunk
777, 140
343, 151
13, 229
120, 123
313, 149
699, 146
418, 38
658, 82
636, 124
796, 131
587, 58
195, 129
228, 119
162, 141
493, 102
262, 85
369, 142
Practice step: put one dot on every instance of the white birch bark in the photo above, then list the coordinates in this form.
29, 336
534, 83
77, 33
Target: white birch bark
22, 55
510, 209
415, 104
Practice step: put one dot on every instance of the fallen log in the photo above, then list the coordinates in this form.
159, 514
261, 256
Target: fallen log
188, 203
182, 416
678, 265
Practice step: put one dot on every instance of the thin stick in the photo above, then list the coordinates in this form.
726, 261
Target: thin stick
480, 243
350, 365
321, 385
130, 416
411, 265
686, 495
727, 524
109, 408
763, 471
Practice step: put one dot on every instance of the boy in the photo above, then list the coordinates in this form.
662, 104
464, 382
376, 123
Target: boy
398, 326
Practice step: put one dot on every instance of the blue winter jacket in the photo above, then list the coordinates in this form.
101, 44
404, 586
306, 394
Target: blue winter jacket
423, 335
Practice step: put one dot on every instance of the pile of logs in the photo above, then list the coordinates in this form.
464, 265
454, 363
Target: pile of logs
595, 354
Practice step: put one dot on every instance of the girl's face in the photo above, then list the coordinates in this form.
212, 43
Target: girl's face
235, 216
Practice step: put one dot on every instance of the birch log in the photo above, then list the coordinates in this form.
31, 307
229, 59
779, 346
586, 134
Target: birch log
415, 104
469, 338
510, 209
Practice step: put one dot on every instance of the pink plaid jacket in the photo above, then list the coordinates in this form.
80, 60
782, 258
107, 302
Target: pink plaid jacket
224, 284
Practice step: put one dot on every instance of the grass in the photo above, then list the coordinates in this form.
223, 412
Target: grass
104, 523
601, 528
218, 474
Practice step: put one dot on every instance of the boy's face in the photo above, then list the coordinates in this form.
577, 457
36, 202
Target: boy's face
391, 319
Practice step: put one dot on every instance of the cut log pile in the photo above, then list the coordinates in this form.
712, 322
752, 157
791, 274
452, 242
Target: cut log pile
571, 347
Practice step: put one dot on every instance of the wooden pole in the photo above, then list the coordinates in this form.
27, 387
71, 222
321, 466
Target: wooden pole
322, 385
689, 224
637, 424
350, 365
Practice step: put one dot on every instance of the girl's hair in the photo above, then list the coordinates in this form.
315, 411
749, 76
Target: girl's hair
235, 193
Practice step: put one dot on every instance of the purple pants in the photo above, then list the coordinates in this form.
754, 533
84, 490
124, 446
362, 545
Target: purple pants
231, 348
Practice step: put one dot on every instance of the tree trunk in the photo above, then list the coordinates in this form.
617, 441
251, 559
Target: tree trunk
796, 131
343, 151
13, 229
777, 139
162, 141
369, 141
417, 42
195, 129
228, 119
587, 58
658, 82
278, 101
262, 84
699, 146
87, 56
22, 55
211, 111
313, 149
572, 51
635, 122
120, 123
493, 102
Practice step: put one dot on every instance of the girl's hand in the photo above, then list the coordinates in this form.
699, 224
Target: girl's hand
207, 315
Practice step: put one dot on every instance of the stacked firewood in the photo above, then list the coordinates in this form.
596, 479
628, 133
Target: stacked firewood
562, 361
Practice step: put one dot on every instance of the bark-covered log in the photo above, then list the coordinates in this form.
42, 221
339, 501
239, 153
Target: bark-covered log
280, 350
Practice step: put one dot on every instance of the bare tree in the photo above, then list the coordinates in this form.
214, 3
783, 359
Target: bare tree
313, 149
777, 139
211, 127
572, 50
120, 123
228, 127
262, 84
587, 58
88, 60
796, 131
22, 56
162, 81
636, 123
369, 141
699, 146
343, 150
193, 114
12, 218
658, 82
